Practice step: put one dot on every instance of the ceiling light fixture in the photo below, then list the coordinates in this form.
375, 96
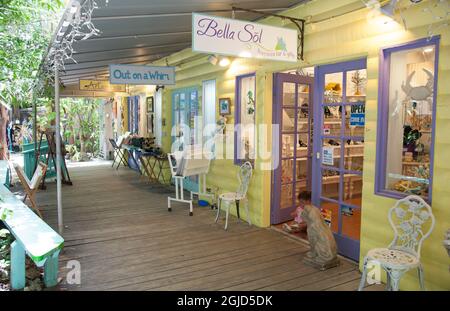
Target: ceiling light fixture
224, 62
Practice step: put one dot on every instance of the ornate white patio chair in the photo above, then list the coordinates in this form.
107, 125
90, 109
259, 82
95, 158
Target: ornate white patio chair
227, 199
412, 221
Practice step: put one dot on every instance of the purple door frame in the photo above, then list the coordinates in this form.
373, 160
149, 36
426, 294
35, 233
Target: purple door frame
278, 215
346, 246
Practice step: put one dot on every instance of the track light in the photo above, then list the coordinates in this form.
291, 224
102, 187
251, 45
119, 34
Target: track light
213, 59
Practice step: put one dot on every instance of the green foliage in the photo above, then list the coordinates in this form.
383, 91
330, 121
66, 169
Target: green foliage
5, 242
24, 38
81, 123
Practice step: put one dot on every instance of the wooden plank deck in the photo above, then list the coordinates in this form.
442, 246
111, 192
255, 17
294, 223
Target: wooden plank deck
118, 228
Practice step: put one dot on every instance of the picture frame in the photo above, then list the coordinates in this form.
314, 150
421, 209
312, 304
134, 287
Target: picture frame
224, 106
150, 104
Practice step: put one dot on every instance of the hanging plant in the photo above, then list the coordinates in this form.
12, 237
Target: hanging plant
250, 103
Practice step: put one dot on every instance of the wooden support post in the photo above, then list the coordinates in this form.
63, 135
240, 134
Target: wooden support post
17, 266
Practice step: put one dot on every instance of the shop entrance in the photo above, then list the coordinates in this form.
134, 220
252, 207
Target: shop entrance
292, 110
339, 120
185, 110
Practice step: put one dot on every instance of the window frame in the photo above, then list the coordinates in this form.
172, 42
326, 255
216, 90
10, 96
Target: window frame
383, 115
237, 116
205, 110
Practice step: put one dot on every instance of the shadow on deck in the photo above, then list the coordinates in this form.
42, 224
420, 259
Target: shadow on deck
119, 230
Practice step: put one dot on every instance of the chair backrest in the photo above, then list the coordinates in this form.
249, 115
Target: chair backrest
412, 221
38, 175
22, 176
244, 175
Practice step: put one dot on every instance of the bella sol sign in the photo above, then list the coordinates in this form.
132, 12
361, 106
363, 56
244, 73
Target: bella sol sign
141, 75
212, 34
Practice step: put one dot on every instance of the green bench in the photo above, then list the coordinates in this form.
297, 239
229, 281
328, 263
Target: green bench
33, 237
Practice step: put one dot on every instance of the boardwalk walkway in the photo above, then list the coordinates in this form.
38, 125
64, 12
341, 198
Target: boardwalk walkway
120, 232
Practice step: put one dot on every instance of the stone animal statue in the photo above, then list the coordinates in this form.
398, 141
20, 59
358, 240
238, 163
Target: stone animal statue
323, 252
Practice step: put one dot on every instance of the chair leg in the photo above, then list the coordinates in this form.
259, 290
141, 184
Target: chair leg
395, 276
227, 213
247, 212
237, 210
421, 277
388, 281
364, 275
218, 210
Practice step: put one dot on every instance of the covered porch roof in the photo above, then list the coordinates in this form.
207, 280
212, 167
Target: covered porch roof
142, 31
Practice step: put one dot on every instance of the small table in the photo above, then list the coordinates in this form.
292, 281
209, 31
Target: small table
155, 168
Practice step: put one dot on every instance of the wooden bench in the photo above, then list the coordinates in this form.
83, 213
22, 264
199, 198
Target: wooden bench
32, 237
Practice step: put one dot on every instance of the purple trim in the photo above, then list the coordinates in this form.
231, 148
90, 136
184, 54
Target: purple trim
237, 115
346, 245
383, 112
277, 214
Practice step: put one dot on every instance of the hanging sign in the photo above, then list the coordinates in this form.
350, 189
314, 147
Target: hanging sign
101, 86
212, 34
328, 155
141, 75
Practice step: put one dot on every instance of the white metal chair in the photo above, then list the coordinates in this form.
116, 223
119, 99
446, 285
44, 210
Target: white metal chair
227, 199
412, 221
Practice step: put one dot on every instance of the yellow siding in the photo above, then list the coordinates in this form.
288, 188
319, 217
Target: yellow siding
345, 37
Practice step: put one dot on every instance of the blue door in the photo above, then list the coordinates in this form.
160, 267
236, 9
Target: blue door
185, 112
339, 119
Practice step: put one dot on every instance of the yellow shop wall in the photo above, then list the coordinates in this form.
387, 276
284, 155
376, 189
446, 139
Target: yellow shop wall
222, 171
346, 37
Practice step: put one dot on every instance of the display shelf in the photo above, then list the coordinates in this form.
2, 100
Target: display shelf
412, 163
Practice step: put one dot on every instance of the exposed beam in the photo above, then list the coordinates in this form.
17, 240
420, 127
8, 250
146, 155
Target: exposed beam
71, 71
120, 17
139, 36
115, 60
144, 47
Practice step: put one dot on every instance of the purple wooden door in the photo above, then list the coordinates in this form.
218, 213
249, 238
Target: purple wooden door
339, 119
292, 111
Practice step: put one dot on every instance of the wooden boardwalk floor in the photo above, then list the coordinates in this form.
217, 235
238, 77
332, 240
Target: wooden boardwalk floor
119, 230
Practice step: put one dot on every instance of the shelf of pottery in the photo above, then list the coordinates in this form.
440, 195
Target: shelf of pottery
416, 151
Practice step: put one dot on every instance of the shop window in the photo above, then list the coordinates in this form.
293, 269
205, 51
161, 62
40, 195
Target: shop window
407, 116
245, 139
209, 112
